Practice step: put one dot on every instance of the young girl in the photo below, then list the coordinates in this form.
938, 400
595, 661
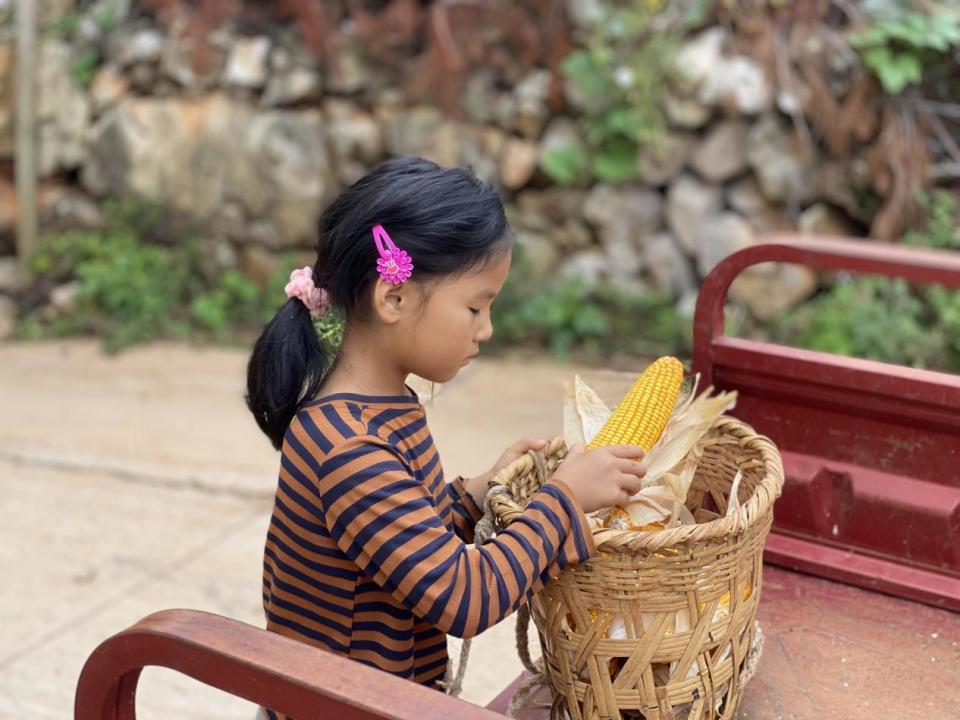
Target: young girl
368, 552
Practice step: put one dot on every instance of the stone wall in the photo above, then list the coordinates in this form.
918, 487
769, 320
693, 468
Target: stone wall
252, 149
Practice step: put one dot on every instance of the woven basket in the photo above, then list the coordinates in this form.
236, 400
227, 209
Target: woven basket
658, 625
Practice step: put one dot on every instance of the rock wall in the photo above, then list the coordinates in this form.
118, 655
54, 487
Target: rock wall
251, 149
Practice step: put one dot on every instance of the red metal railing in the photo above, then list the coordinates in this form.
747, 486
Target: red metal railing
871, 450
263, 667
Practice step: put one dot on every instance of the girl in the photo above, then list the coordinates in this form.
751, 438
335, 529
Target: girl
368, 552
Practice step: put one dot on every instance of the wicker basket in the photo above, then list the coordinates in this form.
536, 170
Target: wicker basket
658, 625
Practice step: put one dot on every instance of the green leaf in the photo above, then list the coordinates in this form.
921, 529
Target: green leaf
590, 321
564, 165
626, 121
67, 25
84, 66
580, 68
210, 312
616, 161
895, 71
696, 13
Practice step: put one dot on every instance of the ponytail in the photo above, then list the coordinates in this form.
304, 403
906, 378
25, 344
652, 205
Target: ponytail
286, 367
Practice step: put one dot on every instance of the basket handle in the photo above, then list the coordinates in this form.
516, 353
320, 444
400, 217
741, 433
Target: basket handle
500, 495
523, 638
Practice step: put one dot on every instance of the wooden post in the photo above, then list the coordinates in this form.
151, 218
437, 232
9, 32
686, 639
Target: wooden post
25, 152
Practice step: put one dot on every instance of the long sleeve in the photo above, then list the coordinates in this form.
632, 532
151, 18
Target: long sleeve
466, 513
385, 520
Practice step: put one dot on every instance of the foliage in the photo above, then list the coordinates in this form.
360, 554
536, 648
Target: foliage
942, 230
570, 316
234, 301
620, 75
868, 317
888, 320
130, 288
84, 66
567, 165
898, 48
87, 58
67, 25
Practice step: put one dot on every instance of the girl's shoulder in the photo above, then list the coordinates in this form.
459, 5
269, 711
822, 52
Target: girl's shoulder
344, 420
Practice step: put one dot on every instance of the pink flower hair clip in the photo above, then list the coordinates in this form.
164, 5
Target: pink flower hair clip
301, 286
395, 265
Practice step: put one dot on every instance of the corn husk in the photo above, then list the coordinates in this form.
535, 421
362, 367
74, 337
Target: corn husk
584, 413
670, 462
692, 418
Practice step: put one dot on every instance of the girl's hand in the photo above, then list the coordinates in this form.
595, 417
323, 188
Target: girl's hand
477, 487
517, 450
604, 476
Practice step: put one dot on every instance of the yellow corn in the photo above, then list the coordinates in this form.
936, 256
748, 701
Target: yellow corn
643, 414
619, 519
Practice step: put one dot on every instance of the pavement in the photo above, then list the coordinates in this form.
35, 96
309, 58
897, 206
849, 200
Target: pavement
139, 482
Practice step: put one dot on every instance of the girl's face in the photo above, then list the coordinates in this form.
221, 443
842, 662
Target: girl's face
454, 321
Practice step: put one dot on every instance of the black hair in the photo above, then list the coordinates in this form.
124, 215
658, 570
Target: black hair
448, 221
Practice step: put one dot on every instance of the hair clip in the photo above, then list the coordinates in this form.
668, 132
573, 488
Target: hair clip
395, 266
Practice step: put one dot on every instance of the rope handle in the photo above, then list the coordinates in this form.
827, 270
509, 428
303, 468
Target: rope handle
485, 529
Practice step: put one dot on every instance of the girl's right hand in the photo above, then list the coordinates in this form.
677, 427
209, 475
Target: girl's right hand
603, 477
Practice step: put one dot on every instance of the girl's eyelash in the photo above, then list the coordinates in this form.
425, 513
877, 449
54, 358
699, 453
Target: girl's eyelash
475, 311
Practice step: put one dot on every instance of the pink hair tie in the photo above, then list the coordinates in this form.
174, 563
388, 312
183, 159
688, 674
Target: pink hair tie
394, 265
301, 286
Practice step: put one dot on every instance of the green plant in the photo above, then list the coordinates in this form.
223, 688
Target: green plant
566, 165
84, 66
942, 229
134, 292
899, 47
620, 74
130, 288
125, 291
569, 316
330, 327
887, 319
106, 16
66, 26
867, 317
233, 301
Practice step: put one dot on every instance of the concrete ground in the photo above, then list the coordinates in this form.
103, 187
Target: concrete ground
140, 482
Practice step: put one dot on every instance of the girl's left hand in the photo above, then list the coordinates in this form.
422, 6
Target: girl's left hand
518, 449
477, 487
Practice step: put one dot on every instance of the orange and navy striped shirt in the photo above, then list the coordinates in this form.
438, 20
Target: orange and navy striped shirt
369, 550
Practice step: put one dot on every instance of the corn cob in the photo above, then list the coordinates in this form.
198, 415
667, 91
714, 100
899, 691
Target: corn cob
619, 519
642, 415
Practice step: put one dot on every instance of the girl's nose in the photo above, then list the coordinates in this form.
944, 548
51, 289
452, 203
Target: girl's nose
486, 332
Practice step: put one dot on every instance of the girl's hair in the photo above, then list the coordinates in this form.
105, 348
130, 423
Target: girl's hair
446, 219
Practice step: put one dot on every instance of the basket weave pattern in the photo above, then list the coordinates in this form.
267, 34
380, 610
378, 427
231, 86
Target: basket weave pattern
660, 624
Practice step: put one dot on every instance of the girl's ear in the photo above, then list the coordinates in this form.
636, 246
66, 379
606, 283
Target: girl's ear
391, 302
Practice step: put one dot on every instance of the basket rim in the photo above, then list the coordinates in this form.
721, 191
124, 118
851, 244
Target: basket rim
748, 514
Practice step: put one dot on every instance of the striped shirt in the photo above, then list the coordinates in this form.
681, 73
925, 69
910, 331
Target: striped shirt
368, 552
